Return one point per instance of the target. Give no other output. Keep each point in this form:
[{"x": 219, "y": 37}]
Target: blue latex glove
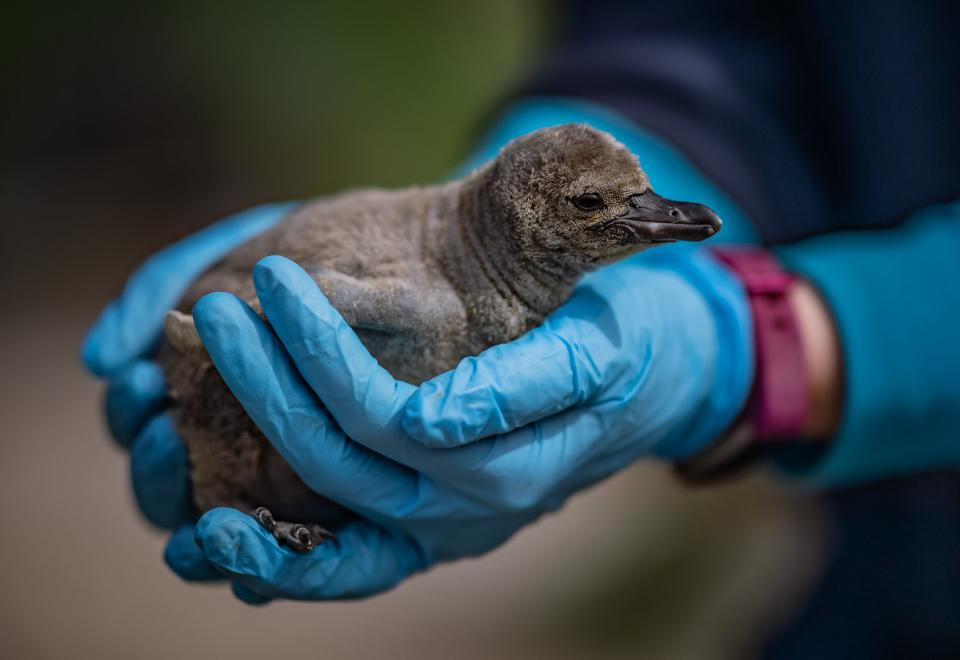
[
  {"x": 130, "y": 326},
  {"x": 118, "y": 348},
  {"x": 136, "y": 396},
  {"x": 651, "y": 356}
]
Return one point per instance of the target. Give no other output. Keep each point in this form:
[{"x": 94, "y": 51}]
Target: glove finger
[
  {"x": 159, "y": 469},
  {"x": 130, "y": 325},
  {"x": 360, "y": 394},
  {"x": 549, "y": 369},
  {"x": 363, "y": 560},
  {"x": 186, "y": 559},
  {"x": 362, "y": 397},
  {"x": 260, "y": 374},
  {"x": 137, "y": 394}
]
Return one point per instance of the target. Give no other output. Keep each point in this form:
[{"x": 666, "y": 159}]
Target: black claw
[
  {"x": 263, "y": 516},
  {"x": 304, "y": 536},
  {"x": 298, "y": 537}
]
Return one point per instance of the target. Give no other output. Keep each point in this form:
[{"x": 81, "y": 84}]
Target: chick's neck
[{"x": 483, "y": 256}]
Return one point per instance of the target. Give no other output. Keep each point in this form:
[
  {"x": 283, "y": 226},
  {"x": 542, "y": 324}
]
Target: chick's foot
[{"x": 296, "y": 536}]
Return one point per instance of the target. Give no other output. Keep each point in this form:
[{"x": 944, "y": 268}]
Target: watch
[{"x": 777, "y": 407}]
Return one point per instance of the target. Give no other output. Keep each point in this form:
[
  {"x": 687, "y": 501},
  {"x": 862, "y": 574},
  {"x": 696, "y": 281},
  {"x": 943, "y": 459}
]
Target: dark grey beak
[{"x": 651, "y": 218}]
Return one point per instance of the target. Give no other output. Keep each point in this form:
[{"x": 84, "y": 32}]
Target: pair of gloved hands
[{"x": 651, "y": 356}]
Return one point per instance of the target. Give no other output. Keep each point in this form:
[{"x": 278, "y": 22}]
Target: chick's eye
[{"x": 588, "y": 202}]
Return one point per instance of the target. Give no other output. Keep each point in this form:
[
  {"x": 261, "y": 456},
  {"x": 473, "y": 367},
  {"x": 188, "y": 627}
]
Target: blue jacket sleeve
[{"x": 895, "y": 298}]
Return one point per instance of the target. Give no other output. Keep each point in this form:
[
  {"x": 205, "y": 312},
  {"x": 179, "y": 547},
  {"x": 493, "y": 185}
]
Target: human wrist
[
  {"x": 794, "y": 394},
  {"x": 822, "y": 360},
  {"x": 895, "y": 319}
]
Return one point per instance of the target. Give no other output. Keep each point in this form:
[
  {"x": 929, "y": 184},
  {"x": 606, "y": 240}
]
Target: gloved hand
[
  {"x": 650, "y": 356},
  {"x": 118, "y": 348}
]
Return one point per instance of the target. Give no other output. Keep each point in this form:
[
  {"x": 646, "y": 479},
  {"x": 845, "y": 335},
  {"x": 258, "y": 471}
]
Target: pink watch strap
[{"x": 779, "y": 401}]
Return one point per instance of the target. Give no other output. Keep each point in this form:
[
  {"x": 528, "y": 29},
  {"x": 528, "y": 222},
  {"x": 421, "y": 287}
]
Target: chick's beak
[{"x": 650, "y": 218}]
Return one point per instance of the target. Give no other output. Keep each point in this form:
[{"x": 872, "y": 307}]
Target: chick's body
[
  {"x": 357, "y": 246},
  {"x": 375, "y": 240},
  {"x": 426, "y": 277}
]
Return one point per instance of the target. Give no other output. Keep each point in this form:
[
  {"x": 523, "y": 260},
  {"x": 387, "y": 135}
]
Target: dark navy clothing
[
  {"x": 815, "y": 116},
  {"x": 818, "y": 117},
  {"x": 891, "y": 590}
]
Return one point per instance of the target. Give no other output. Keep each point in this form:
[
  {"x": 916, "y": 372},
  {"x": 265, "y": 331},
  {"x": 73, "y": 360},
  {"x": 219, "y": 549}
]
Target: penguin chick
[{"x": 426, "y": 276}]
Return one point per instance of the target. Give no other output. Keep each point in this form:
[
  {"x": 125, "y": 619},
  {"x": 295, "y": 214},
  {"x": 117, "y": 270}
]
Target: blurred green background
[
  {"x": 125, "y": 126},
  {"x": 298, "y": 97}
]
